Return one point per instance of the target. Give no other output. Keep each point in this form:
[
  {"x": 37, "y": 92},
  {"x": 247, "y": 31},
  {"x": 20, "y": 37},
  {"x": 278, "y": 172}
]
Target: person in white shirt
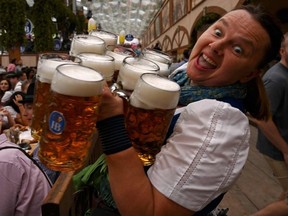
[{"x": 209, "y": 143}]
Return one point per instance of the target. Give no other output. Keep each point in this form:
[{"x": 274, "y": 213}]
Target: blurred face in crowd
[
  {"x": 284, "y": 51},
  {"x": 228, "y": 51},
  {"x": 4, "y": 85},
  {"x": 14, "y": 80},
  {"x": 28, "y": 112}
]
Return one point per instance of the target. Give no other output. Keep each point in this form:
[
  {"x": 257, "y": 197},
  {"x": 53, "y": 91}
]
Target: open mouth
[{"x": 206, "y": 63}]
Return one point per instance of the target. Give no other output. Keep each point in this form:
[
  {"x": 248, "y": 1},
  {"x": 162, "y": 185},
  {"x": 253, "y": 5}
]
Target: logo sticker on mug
[{"x": 56, "y": 122}]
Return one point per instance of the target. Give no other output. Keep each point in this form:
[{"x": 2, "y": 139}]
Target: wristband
[{"x": 113, "y": 134}]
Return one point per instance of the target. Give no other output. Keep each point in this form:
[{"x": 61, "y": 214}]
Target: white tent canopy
[{"x": 132, "y": 16}]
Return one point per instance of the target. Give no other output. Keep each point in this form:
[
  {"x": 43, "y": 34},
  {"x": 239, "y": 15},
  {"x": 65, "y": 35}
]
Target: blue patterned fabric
[{"x": 191, "y": 93}]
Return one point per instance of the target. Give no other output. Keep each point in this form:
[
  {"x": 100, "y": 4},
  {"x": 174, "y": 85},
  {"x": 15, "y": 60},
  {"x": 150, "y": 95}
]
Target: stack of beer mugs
[
  {"x": 92, "y": 51},
  {"x": 131, "y": 69},
  {"x": 162, "y": 59},
  {"x": 70, "y": 119},
  {"x": 151, "y": 108},
  {"x": 46, "y": 69},
  {"x": 101, "y": 63},
  {"x": 109, "y": 38},
  {"x": 69, "y": 92},
  {"x": 119, "y": 53}
]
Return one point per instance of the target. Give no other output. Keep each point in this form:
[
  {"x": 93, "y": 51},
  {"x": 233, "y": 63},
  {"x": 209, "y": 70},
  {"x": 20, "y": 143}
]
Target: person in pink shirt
[{"x": 23, "y": 184}]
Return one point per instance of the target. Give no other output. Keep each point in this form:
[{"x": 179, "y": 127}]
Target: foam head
[
  {"x": 155, "y": 92},
  {"x": 131, "y": 70},
  {"x": 48, "y": 63},
  {"x": 109, "y": 38},
  {"x": 77, "y": 80},
  {"x": 158, "y": 55},
  {"x": 118, "y": 57},
  {"x": 102, "y": 63},
  {"x": 87, "y": 43}
]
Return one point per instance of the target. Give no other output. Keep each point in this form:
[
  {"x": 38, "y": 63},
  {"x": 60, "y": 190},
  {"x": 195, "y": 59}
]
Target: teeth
[{"x": 209, "y": 60}]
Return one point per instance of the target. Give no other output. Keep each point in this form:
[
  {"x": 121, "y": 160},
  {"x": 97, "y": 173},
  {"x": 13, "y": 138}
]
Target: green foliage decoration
[
  {"x": 41, "y": 14},
  {"x": 12, "y": 22}
]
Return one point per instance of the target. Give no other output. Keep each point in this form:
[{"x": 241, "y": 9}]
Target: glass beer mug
[
  {"x": 150, "y": 111},
  {"x": 131, "y": 69},
  {"x": 104, "y": 64},
  {"x": 119, "y": 54},
  {"x": 160, "y": 58},
  {"x": 71, "y": 116},
  {"x": 109, "y": 37},
  {"x": 87, "y": 43},
  {"x": 46, "y": 68}
]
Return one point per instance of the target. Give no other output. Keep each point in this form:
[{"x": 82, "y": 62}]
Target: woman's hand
[
  {"x": 4, "y": 112},
  {"x": 111, "y": 105},
  {"x": 18, "y": 98}
]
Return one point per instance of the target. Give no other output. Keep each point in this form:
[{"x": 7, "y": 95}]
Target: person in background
[
  {"x": 5, "y": 85},
  {"x": 209, "y": 144},
  {"x": 186, "y": 54},
  {"x": 16, "y": 86},
  {"x": 19, "y": 65},
  {"x": 273, "y": 134},
  {"x": 27, "y": 102},
  {"x": 11, "y": 67},
  {"x": 30, "y": 73},
  {"x": 25, "y": 85},
  {"x": 23, "y": 184},
  {"x": 157, "y": 46},
  {"x": 16, "y": 110}
]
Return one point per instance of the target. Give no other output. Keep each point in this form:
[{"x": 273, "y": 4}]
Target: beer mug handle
[
  {"x": 121, "y": 94},
  {"x": 117, "y": 89}
]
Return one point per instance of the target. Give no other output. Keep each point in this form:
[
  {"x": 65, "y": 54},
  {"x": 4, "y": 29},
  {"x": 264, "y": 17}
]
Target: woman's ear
[{"x": 250, "y": 76}]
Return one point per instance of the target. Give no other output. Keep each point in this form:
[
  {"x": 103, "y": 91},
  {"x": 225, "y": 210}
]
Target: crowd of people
[
  {"x": 209, "y": 141},
  {"x": 23, "y": 183},
  {"x": 13, "y": 87}
]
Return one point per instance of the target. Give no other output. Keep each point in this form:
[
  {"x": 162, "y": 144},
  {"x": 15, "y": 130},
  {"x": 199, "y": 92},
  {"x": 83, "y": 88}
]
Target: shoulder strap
[{"x": 27, "y": 155}]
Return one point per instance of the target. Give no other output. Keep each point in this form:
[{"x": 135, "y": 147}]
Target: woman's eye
[
  {"x": 238, "y": 50},
  {"x": 217, "y": 32}
]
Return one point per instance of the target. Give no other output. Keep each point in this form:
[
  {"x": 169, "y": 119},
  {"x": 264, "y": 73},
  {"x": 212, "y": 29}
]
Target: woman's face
[
  {"x": 229, "y": 51},
  {"x": 4, "y": 85},
  {"x": 29, "y": 112}
]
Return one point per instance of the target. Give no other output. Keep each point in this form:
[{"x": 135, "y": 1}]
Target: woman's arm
[
  {"x": 22, "y": 117},
  {"x": 271, "y": 132},
  {"x": 132, "y": 191}
]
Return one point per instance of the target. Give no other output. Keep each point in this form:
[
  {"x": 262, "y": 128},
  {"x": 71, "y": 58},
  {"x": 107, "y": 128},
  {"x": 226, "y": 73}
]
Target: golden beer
[
  {"x": 71, "y": 116},
  {"x": 46, "y": 68},
  {"x": 150, "y": 111},
  {"x": 147, "y": 130}
]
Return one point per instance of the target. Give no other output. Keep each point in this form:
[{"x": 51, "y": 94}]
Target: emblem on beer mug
[{"x": 56, "y": 122}]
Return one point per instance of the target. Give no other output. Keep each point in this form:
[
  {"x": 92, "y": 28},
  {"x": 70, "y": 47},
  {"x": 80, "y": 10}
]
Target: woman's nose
[{"x": 217, "y": 47}]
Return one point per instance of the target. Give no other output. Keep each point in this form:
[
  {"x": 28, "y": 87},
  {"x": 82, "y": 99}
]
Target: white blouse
[{"x": 204, "y": 155}]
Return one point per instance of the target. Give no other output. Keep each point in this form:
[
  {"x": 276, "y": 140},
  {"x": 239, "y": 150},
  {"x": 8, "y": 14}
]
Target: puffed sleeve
[{"x": 204, "y": 155}]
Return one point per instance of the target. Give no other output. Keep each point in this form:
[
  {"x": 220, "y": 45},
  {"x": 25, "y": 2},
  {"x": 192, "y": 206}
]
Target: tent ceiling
[{"x": 132, "y": 16}]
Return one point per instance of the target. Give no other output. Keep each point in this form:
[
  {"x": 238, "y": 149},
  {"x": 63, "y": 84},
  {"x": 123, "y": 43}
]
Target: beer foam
[
  {"x": 77, "y": 80},
  {"x": 118, "y": 58},
  {"x": 131, "y": 70},
  {"x": 87, "y": 43},
  {"x": 108, "y": 37},
  {"x": 155, "y": 92},
  {"x": 103, "y": 64},
  {"x": 157, "y": 57},
  {"x": 46, "y": 68}
]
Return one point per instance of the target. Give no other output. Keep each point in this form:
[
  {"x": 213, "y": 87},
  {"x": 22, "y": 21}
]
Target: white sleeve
[
  {"x": 204, "y": 155},
  {"x": 6, "y": 96}
]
